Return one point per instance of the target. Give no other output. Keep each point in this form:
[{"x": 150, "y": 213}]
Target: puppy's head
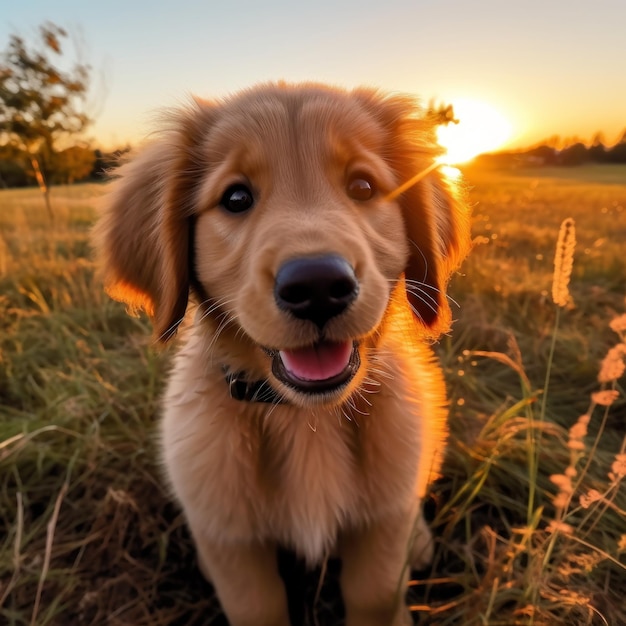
[{"x": 279, "y": 211}]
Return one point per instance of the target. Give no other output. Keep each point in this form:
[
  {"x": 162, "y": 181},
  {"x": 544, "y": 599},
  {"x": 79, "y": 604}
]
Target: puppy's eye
[
  {"x": 237, "y": 199},
  {"x": 360, "y": 188}
]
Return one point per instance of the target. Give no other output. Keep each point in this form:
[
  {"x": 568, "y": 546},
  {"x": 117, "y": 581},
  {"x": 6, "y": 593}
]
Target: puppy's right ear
[{"x": 142, "y": 236}]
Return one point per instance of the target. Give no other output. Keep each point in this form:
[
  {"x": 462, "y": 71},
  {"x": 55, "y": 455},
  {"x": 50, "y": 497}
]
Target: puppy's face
[
  {"x": 280, "y": 209},
  {"x": 296, "y": 243}
]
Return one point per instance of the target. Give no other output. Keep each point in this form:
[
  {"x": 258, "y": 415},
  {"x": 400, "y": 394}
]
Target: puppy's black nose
[{"x": 316, "y": 288}]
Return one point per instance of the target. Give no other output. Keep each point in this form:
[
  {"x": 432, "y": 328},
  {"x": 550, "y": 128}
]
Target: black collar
[{"x": 240, "y": 388}]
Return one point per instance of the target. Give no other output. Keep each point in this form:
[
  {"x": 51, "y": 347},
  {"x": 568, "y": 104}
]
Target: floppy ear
[
  {"x": 143, "y": 235},
  {"x": 436, "y": 216}
]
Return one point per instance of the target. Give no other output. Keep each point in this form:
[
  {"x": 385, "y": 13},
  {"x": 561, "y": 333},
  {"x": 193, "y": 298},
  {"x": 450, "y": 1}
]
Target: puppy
[{"x": 313, "y": 235}]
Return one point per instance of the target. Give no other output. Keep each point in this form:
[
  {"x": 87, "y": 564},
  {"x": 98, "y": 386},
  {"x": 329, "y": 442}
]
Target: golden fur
[{"x": 343, "y": 470}]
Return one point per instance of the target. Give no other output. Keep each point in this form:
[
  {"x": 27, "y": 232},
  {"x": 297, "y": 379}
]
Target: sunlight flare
[{"x": 481, "y": 128}]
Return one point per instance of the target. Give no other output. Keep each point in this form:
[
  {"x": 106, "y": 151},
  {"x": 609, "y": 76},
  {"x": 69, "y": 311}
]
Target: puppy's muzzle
[{"x": 316, "y": 288}]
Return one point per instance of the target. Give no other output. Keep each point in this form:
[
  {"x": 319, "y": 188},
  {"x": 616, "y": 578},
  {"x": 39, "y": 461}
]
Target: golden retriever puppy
[{"x": 314, "y": 236}]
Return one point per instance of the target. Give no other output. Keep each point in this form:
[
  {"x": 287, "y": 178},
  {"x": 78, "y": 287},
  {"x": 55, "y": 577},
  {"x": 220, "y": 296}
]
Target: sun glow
[{"x": 480, "y": 129}]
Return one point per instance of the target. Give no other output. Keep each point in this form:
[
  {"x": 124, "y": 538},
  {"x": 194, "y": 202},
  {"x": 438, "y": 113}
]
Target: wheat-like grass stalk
[{"x": 564, "y": 262}]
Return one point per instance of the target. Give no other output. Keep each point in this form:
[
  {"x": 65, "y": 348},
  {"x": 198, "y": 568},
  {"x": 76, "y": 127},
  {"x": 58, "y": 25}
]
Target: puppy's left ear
[
  {"x": 437, "y": 222},
  {"x": 435, "y": 210}
]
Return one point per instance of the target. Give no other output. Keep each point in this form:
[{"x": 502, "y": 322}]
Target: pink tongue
[{"x": 319, "y": 362}]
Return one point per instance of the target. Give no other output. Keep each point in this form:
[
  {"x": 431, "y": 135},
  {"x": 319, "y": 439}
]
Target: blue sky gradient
[{"x": 551, "y": 66}]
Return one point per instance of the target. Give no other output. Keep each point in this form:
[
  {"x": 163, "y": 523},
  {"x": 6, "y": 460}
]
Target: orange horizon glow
[{"x": 481, "y": 128}]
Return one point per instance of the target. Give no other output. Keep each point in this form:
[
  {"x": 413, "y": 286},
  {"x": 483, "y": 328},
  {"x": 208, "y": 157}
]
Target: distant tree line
[
  {"x": 78, "y": 163},
  {"x": 571, "y": 152}
]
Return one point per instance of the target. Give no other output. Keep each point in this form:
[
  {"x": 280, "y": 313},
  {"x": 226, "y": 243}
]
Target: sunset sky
[{"x": 546, "y": 66}]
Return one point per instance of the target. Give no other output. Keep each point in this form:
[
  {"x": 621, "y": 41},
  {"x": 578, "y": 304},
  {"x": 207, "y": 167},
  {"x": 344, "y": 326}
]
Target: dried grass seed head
[{"x": 564, "y": 262}]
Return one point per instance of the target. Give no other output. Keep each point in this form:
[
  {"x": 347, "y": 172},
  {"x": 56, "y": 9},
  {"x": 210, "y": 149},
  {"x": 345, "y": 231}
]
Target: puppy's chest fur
[{"x": 281, "y": 473}]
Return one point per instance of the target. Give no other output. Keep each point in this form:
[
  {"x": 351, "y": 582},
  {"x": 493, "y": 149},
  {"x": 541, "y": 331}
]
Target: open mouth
[{"x": 325, "y": 366}]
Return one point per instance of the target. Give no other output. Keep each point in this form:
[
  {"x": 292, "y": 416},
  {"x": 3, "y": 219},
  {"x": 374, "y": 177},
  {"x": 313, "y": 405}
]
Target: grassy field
[{"x": 530, "y": 516}]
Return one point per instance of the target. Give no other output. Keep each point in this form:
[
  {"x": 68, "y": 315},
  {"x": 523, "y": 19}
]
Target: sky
[{"x": 548, "y": 67}]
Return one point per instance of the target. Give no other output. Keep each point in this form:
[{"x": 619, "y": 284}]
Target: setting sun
[{"x": 481, "y": 128}]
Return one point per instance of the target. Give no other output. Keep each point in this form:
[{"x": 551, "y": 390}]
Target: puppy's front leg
[
  {"x": 374, "y": 576},
  {"x": 247, "y": 582}
]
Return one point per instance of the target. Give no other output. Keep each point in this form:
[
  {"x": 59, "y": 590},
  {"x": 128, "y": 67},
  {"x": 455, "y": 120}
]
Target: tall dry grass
[{"x": 530, "y": 516}]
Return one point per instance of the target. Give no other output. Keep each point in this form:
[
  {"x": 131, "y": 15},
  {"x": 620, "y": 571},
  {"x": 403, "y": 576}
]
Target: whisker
[
  {"x": 417, "y": 314},
  {"x": 352, "y": 404},
  {"x": 269, "y": 413},
  {"x": 423, "y": 257},
  {"x": 350, "y": 418},
  {"x": 382, "y": 373},
  {"x": 215, "y": 304},
  {"x": 224, "y": 323},
  {"x": 275, "y": 405},
  {"x": 240, "y": 331},
  {"x": 337, "y": 412},
  {"x": 424, "y": 288},
  {"x": 412, "y": 283},
  {"x": 359, "y": 392},
  {"x": 260, "y": 390},
  {"x": 371, "y": 381},
  {"x": 169, "y": 332},
  {"x": 422, "y": 297}
]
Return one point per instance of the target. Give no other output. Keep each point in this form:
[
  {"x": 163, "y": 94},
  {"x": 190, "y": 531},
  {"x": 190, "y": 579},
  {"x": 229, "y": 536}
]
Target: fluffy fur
[{"x": 343, "y": 469}]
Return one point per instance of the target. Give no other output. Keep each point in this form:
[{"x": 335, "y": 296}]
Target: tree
[
  {"x": 597, "y": 151},
  {"x": 41, "y": 106},
  {"x": 73, "y": 163},
  {"x": 576, "y": 154},
  {"x": 598, "y": 139},
  {"x": 617, "y": 154}
]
